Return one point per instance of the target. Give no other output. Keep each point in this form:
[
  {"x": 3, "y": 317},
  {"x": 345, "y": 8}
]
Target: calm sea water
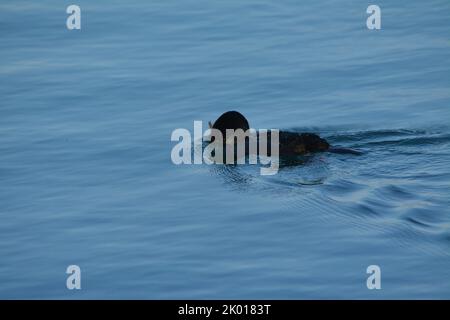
[{"x": 86, "y": 176}]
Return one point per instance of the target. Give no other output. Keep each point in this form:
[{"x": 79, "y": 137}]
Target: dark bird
[{"x": 290, "y": 143}]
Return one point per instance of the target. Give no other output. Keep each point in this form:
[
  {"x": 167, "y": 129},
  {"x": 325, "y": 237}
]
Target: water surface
[{"x": 86, "y": 176}]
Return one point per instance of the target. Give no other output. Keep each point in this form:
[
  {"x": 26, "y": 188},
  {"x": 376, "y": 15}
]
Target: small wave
[
  {"x": 371, "y": 135},
  {"x": 390, "y": 190},
  {"x": 413, "y": 141},
  {"x": 401, "y": 137}
]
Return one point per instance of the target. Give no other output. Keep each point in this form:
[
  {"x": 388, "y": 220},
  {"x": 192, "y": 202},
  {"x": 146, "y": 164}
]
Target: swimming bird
[{"x": 290, "y": 143}]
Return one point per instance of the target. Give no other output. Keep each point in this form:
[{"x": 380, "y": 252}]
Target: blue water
[{"x": 86, "y": 176}]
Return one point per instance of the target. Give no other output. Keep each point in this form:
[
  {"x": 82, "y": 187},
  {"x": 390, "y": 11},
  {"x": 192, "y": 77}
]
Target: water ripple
[{"x": 372, "y": 193}]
